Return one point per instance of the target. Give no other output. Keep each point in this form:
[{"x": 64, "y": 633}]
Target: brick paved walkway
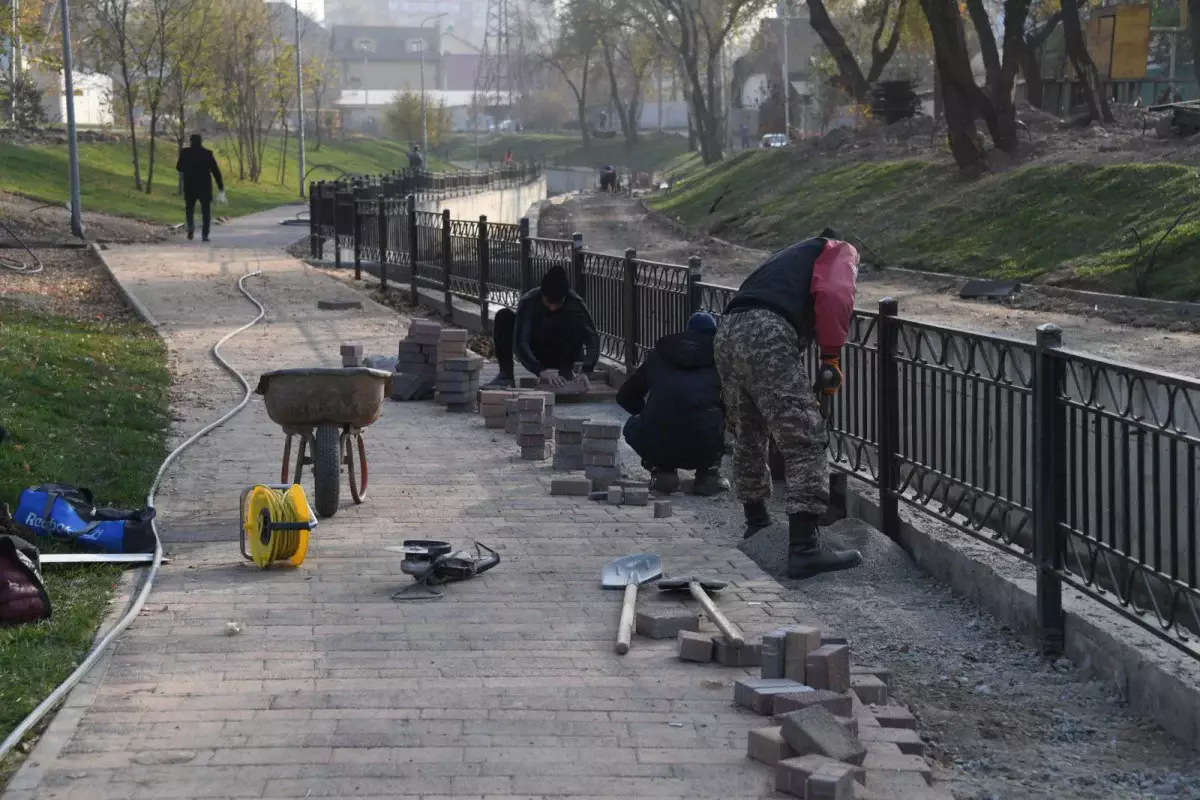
[{"x": 507, "y": 688}]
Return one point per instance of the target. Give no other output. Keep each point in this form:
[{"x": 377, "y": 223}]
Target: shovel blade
[{"x": 639, "y": 568}]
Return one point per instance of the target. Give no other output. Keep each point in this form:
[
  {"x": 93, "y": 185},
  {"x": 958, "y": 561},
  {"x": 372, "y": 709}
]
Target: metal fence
[{"x": 1082, "y": 468}]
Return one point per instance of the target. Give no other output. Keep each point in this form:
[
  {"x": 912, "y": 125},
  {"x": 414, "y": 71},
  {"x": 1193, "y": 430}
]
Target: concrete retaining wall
[
  {"x": 563, "y": 180},
  {"x": 506, "y": 205}
]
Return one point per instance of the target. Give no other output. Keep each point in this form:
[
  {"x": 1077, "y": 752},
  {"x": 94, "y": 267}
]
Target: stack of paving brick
[
  {"x": 416, "y": 364},
  {"x": 568, "y": 443},
  {"x": 600, "y": 441},
  {"x": 532, "y": 427},
  {"x": 833, "y": 735},
  {"x": 493, "y": 407},
  {"x": 457, "y": 371},
  {"x": 512, "y": 415}
]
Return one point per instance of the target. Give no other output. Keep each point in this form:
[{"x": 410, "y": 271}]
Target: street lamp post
[
  {"x": 424, "y": 123},
  {"x": 300, "y": 99},
  {"x": 72, "y": 141},
  {"x": 781, "y": 10}
]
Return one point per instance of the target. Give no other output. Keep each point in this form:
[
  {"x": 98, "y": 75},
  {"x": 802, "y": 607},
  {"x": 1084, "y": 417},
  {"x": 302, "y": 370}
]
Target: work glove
[
  {"x": 829, "y": 375},
  {"x": 221, "y": 201}
]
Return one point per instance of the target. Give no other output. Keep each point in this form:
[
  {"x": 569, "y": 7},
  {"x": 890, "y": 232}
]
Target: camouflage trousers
[{"x": 768, "y": 393}]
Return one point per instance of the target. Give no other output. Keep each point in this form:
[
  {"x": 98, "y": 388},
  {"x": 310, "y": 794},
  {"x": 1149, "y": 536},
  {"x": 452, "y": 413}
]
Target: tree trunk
[
  {"x": 959, "y": 92},
  {"x": 1085, "y": 68},
  {"x": 1193, "y": 7},
  {"x": 150, "y": 156},
  {"x": 1031, "y": 68},
  {"x": 130, "y": 97},
  {"x": 851, "y": 78}
]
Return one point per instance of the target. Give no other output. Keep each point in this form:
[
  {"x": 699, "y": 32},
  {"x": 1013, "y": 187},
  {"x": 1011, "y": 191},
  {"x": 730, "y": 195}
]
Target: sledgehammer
[{"x": 699, "y": 589}]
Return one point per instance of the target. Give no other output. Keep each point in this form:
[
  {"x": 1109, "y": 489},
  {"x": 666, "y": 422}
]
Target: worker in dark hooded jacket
[
  {"x": 551, "y": 331},
  {"x": 198, "y": 167},
  {"x": 675, "y": 399}
]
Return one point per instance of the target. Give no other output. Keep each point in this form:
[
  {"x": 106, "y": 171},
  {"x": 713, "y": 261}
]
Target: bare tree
[
  {"x": 695, "y": 32},
  {"x": 112, "y": 24},
  {"x": 1036, "y": 33},
  {"x": 1081, "y": 60},
  {"x": 568, "y": 48},
  {"x": 886, "y": 17}
]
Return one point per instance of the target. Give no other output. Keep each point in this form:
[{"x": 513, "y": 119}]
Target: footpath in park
[{"x": 322, "y": 686}]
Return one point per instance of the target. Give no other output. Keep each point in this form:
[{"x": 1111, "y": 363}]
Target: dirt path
[{"x": 611, "y": 224}]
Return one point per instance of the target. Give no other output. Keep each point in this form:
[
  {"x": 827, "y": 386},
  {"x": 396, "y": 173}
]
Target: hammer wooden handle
[
  {"x": 731, "y": 631},
  {"x": 625, "y": 629}
]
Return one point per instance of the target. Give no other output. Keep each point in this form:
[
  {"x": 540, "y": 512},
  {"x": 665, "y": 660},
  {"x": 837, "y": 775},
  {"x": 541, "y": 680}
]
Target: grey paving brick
[
  {"x": 828, "y": 667},
  {"x": 815, "y": 730},
  {"x": 695, "y": 646},
  {"x": 657, "y": 622},
  {"x": 757, "y": 694},
  {"x": 870, "y": 690}
]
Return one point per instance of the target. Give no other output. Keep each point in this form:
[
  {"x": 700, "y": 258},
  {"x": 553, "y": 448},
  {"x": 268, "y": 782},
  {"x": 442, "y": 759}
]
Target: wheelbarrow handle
[
  {"x": 625, "y": 628},
  {"x": 731, "y": 631}
]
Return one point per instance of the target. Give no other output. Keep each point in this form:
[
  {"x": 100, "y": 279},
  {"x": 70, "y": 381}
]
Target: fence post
[
  {"x": 695, "y": 274},
  {"x": 630, "y": 328},
  {"x": 337, "y": 245},
  {"x": 1049, "y": 481},
  {"x": 410, "y": 220},
  {"x": 485, "y": 270},
  {"x": 357, "y": 241},
  {"x": 381, "y": 206},
  {"x": 577, "y": 264},
  {"x": 447, "y": 262},
  {"x": 314, "y": 219},
  {"x": 320, "y": 221},
  {"x": 526, "y": 257},
  {"x": 887, "y": 410}
]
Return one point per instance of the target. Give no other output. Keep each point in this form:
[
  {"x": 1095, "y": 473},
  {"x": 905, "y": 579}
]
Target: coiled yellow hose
[{"x": 277, "y": 545}]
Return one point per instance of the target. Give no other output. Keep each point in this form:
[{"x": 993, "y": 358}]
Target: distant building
[
  {"x": 93, "y": 106},
  {"x": 468, "y": 18},
  {"x": 379, "y": 58}
]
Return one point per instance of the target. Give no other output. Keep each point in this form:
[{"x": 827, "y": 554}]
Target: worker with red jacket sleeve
[{"x": 801, "y": 295}]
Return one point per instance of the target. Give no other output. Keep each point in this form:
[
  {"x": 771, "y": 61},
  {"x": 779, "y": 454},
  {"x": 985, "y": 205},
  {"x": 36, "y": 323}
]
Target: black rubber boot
[
  {"x": 501, "y": 381},
  {"x": 708, "y": 483},
  {"x": 757, "y": 517},
  {"x": 808, "y": 556},
  {"x": 664, "y": 481}
]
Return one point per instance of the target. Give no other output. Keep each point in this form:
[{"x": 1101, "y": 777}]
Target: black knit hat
[{"x": 555, "y": 285}]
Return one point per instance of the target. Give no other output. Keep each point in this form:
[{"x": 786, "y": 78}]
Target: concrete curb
[
  {"x": 1156, "y": 680},
  {"x": 129, "y": 296}
]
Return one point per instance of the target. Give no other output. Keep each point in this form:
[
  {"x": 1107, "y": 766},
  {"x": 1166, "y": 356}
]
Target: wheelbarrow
[{"x": 326, "y": 409}]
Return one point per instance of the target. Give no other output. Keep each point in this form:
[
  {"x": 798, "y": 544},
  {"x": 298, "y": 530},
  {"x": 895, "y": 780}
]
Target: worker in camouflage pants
[{"x": 799, "y": 295}]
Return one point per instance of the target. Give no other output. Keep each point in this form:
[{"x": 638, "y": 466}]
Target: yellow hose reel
[{"x": 276, "y": 521}]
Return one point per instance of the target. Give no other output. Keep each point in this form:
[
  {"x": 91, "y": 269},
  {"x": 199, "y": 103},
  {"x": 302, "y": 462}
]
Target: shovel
[
  {"x": 629, "y": 572},
  {"x": 699, "y": 589}
]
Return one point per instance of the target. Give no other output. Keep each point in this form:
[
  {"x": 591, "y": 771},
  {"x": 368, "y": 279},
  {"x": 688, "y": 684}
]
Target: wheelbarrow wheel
[{"x": 327, "y": 469}]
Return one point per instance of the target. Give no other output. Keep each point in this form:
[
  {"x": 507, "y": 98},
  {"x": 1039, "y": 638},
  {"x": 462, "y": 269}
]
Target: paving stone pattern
[{"x": 507, "y": 688}]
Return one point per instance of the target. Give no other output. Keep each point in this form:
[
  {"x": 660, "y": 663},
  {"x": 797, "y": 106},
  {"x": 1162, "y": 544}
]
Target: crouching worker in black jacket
[
  {"x": 551, "y": 331},
  {"x": 675, "y": 399}
]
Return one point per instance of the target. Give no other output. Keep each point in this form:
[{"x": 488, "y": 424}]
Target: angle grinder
[{"x": 432, "y": 562}]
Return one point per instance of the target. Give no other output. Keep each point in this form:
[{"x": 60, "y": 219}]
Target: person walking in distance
[
  {"x": 198, "y": 167},
  {"x": 799, "y": 295},
  {"x": 550, "y": 332}
]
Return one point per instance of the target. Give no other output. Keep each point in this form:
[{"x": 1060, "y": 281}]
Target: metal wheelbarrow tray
[{"x": 327, "y": 408}]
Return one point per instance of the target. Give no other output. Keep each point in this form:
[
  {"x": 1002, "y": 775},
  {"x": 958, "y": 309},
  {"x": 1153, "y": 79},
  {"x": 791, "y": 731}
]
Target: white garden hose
[{"x": 139, "y": 602}]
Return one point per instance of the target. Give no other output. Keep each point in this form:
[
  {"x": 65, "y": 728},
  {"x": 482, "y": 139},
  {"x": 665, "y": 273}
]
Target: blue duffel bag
[{"x": 69, "y": 514}]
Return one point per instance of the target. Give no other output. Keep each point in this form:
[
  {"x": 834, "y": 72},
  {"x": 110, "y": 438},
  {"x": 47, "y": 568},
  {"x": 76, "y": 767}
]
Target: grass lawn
[
  {"x": 84, "y": 403},
  {"x": 652, "y": 152},
  {"x": 1070, "y": 221},
  {"x": 106, "y": 174}
]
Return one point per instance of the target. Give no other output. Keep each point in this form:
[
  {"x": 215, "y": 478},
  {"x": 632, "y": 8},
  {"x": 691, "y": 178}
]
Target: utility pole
[
  {"x": 300, "y": 99},
  {"x": 424, "y": 123},
  {"x": 13, "y": 57},
  {"x": 781, "y": 11},
  {"x": 72, "y": 141}
]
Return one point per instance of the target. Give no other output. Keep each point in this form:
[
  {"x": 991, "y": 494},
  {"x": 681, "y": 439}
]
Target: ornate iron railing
[{"x": 1085, "y": 469}]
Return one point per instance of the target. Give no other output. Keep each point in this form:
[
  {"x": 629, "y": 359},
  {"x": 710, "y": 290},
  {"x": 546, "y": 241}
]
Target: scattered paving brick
[
  {"x": 772, "y": 654},
  {"x": 637, "y": 496},
  {"x": 768, "y": 746},
  {"x": 570, "y": 487},
  {"x": 665, "y": 623},
  {"x": 616, "y": 495},
  {"x": 662, "y": 509},
  {"x": 725, "y": 654},
  {"x": 908, "y": 741},
  {"x": 698, "y": 647},
  {"x": 352, "y": 355},
  {"x": 893, "y": 717},
  {"x": 815, "y": 730},
  {"x": 757, "y": 694},
  {"x": 838, "y": 704},
  {"x": 799, "y": 641},
  {"x": 870, "y": 690},
  {"x": 828, "y": 667}
]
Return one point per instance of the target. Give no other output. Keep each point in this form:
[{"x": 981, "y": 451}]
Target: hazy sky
[{"x": 314, "y": 8}]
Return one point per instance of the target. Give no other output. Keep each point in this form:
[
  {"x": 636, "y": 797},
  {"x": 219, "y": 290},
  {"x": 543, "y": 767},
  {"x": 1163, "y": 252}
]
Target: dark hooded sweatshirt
[
  {"x": 676, "y": 397},
  {"x": 546, "y": 339}
]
